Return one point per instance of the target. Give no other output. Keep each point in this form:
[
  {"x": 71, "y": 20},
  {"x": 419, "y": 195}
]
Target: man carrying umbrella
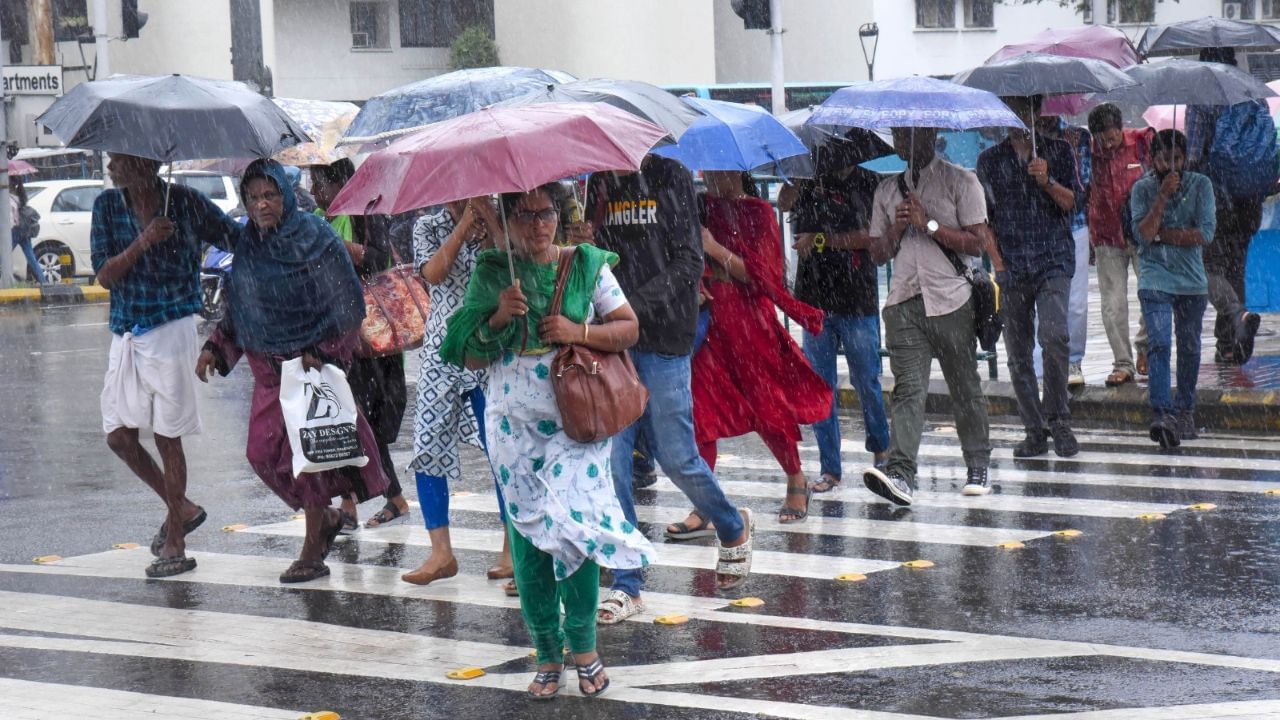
[
  {"x": 149, "y": 258},
  {"x": 1031, "y": 195},
  {"x": 916, "y": 222}
]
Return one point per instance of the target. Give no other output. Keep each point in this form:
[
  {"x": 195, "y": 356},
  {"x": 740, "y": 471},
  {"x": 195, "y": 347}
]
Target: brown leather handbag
[
  {"x": 599, "y": 393},
  {"x": 396, "y": 304}
]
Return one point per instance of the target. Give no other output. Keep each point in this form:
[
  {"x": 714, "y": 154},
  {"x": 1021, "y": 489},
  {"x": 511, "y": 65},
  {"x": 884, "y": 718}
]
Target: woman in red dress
[{"x": 750, "y": 375}]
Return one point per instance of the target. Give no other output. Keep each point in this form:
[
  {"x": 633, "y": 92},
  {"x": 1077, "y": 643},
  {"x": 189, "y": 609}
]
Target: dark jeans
[
  {"x": 1166, "y": 315},
  {"x": 1022, "y": 302},
  {"x": 1224, "y": 263}
]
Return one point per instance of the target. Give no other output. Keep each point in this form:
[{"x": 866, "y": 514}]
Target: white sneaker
[{"x": 1075, "y": 377}]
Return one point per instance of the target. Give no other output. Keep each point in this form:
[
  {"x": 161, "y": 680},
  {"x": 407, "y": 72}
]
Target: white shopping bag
[{"x": 320, "y": 417}]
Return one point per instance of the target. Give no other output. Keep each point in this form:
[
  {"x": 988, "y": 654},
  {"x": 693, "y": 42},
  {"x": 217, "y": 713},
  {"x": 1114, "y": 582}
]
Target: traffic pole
[
  {"x": 775, "y": 35},
  {"x": 6, "y": 217}
]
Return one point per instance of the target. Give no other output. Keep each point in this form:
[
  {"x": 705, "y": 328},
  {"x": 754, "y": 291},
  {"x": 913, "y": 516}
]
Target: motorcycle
[{"x": 215, "y": 271}]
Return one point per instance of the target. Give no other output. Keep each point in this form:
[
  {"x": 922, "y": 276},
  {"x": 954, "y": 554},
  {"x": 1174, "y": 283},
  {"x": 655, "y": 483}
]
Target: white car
[{"x": 66, "y": 217}]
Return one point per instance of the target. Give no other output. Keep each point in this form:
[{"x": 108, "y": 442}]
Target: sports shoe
[
  {"x": 1035, "y": 444},
  {"x": 1164, "y": 430},
  {"x": 1064, "y": 441},
  {"x": 1186, "y": 424},
  {"x": 1245, "y": 336},
  {"x": 890, "y": 485},
  {"x": 976, "y": 484},
  {"x": 1075, "y": 376},
  {"x": 640, "y": 481}
]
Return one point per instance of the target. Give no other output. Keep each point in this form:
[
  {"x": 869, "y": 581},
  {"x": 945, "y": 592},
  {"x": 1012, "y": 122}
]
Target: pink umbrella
[
  {"x": 1089, "y": 41},
  {"x": 496, "y": 150},
  {"x": 22, "y": 167}
]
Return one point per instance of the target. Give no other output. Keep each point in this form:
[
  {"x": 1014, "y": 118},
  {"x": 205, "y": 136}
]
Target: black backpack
[{"x": 29, "y": 221}]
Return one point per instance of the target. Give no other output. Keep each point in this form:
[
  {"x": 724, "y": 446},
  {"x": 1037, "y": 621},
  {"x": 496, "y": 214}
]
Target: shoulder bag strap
[
  {"x": 961, "y": 269},
  {"x": 562, "y": 279}
]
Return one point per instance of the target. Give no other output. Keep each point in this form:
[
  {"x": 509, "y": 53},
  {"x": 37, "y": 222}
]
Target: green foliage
[{"x": 473, "y": 48}]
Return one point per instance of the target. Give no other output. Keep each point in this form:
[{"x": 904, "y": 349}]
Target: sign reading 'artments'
[{"x": 33, "y": 80}]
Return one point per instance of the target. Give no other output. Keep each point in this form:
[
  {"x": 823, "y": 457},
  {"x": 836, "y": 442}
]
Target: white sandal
[
  {"x": 736, "y": 561},
  {"x": 619, "y": 607}
]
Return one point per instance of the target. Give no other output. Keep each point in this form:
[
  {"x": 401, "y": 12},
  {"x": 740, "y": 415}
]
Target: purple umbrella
[{"x": 1097, "y": 42}]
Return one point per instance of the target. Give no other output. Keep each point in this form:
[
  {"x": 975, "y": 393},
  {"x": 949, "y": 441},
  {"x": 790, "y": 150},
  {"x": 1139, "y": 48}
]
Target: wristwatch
[{"x": 931, "y": 227}]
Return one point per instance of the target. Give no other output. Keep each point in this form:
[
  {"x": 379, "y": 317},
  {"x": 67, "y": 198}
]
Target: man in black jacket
[{"x": 650, "y": 219}]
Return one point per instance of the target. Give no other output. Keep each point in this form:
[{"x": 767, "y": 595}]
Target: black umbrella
[
  {"x": 1042, "y": 74},
  {"x": 1208, "y": 32},
  {"x": 1187, "y": 82},
  {"x": 829, "y": 143},
  {"x": 171, "y": 117},
  {"x": 649, "y": 102}
]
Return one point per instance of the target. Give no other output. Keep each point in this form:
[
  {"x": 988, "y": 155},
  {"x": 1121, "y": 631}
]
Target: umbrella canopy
[
  {"x": 496, "y": 150},
  {"x": 913, "y": 102},
  {"x": 410, "y": 107},
  {"x": 1040, "y": 74},
  {"x": 1163, "y": 117},
  {"x": 325, "y": 122},
  {"x": 171, "y": 117},
  {"x": 1187, "y": 82},
  {"x": 1098, "y": 42},
  {"x": 638, "y": 98},
  {"x": 733, "y": 136},
  {"x": 873, "y": 144},
  {"x": 1194, "y": 35},
  {"x": 22, "y": 167}
]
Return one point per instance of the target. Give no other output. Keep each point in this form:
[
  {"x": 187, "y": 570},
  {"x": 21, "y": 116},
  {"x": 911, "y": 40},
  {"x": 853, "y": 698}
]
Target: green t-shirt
[{"x": 341, "y": 224}]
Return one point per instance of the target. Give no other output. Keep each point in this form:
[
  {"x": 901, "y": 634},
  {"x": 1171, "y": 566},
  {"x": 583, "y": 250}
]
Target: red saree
[{"x": 751, "y": 375}]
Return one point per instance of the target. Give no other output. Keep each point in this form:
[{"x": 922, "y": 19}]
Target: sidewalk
[
  {"x": 1229, "y": 397},
  {"x": 60, "y": 293}
]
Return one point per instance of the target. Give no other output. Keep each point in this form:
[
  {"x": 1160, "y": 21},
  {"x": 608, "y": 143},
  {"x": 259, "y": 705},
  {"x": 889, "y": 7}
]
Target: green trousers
[{"x": 541, "y": 597}]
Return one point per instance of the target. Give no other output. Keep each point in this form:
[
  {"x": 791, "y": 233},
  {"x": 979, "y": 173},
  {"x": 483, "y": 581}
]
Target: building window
[
  {"x": 70, "y": 20},
  {"x": 370, "y": 25},
  {"x": 979, "y": 13},
  {"x": 1131, "y": 12},
  {"x": 935, "y": 13},
  {"x": 1269, "y": 9},
  {"x": 433, "y": 23}
]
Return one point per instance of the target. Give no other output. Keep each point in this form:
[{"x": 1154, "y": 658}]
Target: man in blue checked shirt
[
  {"x": 147, "y": 254},
  {"x": 1032, "y": 191}
]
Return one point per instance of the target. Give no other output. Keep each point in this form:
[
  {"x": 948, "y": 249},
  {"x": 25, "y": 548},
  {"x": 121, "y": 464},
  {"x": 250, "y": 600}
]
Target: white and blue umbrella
[
  {"x": 733, "y": 136},
  {"x": 913, "y": 102}
]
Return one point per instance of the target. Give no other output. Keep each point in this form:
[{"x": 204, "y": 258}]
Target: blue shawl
[{"x": 292, "y": 286}]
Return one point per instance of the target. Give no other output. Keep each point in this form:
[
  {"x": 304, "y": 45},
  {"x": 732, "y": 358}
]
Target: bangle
[{"x": 586, "y": 332}]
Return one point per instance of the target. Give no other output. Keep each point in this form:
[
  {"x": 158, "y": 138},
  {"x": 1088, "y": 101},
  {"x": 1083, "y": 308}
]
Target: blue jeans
[
  {"x": 21, "y": 240},
  {"x": 433, "y": 490},
  {"x": 668, "y": 423},
  {"x": 860, "y": 337},
  {"x": 1166, "y": 315}
]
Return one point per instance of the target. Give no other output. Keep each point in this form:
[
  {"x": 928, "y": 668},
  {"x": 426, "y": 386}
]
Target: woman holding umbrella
[
  {"x": 564, "y": 519},
  {"x": 283, "y": 254}
]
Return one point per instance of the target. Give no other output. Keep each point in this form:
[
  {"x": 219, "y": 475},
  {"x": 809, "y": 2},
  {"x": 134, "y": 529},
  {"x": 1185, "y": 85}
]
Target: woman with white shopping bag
[{"x": 295, "y": 307}]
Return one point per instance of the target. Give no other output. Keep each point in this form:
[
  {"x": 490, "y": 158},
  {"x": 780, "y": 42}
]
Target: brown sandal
[{"x": 1119, "y": 377}]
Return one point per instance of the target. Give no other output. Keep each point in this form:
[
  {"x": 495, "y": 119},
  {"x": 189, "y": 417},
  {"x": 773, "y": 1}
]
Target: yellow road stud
[
  {"x": 299, "y": 516},
  {"x": 673, "y": 619},
  {"x": 918, "y": 564},
  {"x": 1272, "y": 491},
  {"x": 125, "y": 546},
  {"x": 1011, "y": 545},
  {"x": 322, "y": 715},
  {"x": 46, "y": 559},
  {"x": 1202, "y": 506},
  {"x": 747, "y": 602},
  {"x": 234, "y": 528},
  {"x": 461, "y": 493},
  {"x": 1067, "y": 533},
  {"x": 851, "y": 577},
  {"x": 469, "y": 673},
  {"x": 1151, "y": 516}
]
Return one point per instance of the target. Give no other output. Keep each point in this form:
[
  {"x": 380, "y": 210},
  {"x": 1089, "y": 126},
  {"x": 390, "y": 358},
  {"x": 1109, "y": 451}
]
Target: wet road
[{"x": 1173, "y": 616}]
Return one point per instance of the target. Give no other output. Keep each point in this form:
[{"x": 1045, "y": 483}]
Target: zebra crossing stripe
[
  {"x": 1086, "y": 507},
  {"x": 1240, "y": 710},
  {"x": 916, "y": 532},
  {"x": 27, "y": 700},
  {"x": 1091, "y": 457},
  {"x": 1130, "y": 438},
  {"x": 1017, "y": 476},
  {"x": 818, "y": 567}
]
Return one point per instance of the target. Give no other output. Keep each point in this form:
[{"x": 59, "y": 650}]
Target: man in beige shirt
[{"x": 929, "y": 312}]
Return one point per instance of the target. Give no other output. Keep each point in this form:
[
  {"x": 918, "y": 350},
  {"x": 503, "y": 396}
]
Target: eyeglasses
[
  {"x": 546, "y": 215},
  {"x": 271, "y": 196}
]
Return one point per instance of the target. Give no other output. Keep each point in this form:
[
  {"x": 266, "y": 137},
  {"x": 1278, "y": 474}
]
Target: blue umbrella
[
  {"x": 961, "y": 147},
  {"x": 410, "y": 107},
  {"x": 733, "y": 136},
  {"x": 913, "y": 102}
]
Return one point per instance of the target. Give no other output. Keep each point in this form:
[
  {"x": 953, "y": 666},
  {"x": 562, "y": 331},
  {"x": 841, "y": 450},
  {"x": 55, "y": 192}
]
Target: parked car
[{"x": 66, "y": 215}]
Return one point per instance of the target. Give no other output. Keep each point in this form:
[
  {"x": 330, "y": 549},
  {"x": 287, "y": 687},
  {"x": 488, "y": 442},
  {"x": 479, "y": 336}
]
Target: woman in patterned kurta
[
  {"x": 450, "y": 401},
  {"x": 563, "y": 517}
]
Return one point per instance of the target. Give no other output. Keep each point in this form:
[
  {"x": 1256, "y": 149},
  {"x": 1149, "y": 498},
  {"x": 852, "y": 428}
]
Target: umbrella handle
[
  {"x": 506, "y": 236},
  {"x": 167, "y": 186}
]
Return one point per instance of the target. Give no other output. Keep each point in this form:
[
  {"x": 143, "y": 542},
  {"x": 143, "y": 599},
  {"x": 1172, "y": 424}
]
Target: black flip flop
[
  {"x": 315, "y": 570},
  {"x": 589, "y": 674},
  {"x": 544, "y": 679},
  {"x": 188, "y": 527},
  {"x": 789, "y": 515},
  {"x": 170, "y": 566},
  {"x": 684, "y": 532},
  {"x": 388, "y": 515},
  {"x": 344, "y": 517}
]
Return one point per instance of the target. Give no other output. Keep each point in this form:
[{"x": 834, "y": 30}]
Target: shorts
[{"x": 151, "y": 381}]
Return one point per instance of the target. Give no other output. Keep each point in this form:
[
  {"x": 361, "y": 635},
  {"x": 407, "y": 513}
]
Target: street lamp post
[
  {"x": 6, "y": 218},
  {"x": 775, "y": 36},
  {"x": 869, "y": 31}
]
